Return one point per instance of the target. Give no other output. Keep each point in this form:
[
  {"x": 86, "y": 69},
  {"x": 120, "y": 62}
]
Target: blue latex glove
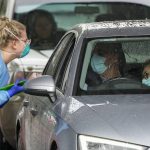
[{"x": 15, "y": 89}]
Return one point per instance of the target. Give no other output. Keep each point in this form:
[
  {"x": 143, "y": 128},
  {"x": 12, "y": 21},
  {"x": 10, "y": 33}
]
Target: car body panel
[
  {"x": 123, "y": 117},
  {"x": 51, "y": 125},
  {"x": 7, "y": 120},
  {"x": 111, "y": 29}
]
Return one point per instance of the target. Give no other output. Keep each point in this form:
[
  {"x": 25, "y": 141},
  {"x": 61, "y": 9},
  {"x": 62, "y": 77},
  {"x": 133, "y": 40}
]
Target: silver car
[{"x": 74, "y": 107}]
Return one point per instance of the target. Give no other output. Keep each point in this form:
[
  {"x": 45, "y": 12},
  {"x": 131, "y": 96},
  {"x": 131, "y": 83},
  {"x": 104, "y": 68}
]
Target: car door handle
[
  {"x": 25, "y": 103},
  {"x": 33, "y": 111}
]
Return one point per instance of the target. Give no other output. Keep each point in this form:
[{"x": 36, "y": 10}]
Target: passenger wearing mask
[
  {"x": 13, "y": 44},
  {"x": 146, "y": 73}
]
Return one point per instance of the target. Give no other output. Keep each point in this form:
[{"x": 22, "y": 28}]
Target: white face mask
[
  {"x": 98, "y": 64},
  {"x": 146, "y": 81}
]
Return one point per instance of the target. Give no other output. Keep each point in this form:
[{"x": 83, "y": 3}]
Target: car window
[
  {"x": 60, "y": 50},
  {"x": 3, "y": 4},
  {"x": 21, "y": 75},
  {"x": 63, "y": 70},
  {"x": 47, "y": 22},
  {"x": 121, "y": 66}
]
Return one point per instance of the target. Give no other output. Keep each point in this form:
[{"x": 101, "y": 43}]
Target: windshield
[
  {"x": 116, "y": 66},
  {"x": 47, "y": 23}
]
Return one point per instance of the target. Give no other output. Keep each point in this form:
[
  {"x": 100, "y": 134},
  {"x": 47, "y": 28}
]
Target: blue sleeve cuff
[
  {"x": 4, "y": 98},
  {"x": 7, "y": 94}
]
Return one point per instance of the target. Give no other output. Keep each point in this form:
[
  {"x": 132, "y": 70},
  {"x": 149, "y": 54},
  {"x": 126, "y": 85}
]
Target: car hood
[{"x": 119, "y": 117}]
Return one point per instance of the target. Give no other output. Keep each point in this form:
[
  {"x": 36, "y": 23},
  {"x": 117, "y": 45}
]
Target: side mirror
[{"x": 41, "y": 86}]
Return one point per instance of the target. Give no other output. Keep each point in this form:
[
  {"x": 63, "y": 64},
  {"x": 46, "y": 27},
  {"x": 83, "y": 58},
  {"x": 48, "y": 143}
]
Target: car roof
[
  {"x": 26, "y": 2},
  {"x": 114, "y": 28}
]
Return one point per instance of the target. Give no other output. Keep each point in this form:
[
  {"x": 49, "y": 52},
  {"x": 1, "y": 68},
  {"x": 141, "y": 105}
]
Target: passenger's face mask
[
  {"x": 98, "y": 64},
  {"x": 146, "y": 81}
]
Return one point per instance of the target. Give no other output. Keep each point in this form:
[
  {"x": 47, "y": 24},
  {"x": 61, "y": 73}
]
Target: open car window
[
  {"x": 116, "y": 66},
  {"x": 20, "y": 75},
  {"x": 47, "y": 22}
]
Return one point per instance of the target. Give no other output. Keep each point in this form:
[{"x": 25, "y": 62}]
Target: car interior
[{"x": 131, "y": 52}]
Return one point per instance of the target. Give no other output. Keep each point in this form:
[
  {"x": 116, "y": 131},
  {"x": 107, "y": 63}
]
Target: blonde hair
[{"x": 13, "y": 26}]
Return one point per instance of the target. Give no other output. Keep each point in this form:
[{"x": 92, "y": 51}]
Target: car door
[
  {"x": 43, "y": 124},
  {"x": 28, "y": 120}
]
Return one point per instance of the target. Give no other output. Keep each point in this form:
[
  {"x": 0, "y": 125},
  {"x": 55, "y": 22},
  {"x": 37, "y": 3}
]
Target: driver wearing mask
[{"x": 105, "y": 61}]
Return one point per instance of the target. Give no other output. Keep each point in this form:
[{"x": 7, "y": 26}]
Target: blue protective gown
[
  {"x": 4, "y": 98},
  {"x": 4, "y": 77}
]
